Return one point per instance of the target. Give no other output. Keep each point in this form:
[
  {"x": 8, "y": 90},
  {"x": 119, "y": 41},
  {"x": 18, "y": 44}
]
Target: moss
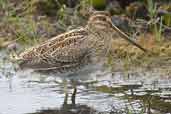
[{"x": 98, "y": 4}]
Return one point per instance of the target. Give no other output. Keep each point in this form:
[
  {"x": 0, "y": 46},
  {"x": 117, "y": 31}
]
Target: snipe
[{"x": 73, "y": 50}]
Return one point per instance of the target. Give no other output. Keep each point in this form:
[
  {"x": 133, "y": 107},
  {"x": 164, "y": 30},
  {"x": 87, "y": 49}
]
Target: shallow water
[{"x": 138, "y": 92}]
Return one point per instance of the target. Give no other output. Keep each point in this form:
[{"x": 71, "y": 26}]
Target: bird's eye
[{"x": 102, "y": 18}]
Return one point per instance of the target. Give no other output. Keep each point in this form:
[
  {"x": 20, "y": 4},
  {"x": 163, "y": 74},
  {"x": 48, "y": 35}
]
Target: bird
[
  {"x": 70, "y": 52},
  {"x": 74, "y": 48}
]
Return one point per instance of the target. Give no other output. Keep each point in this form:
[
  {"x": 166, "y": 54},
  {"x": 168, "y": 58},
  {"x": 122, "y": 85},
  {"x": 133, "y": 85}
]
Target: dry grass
[{"x": 129, "y": 56}]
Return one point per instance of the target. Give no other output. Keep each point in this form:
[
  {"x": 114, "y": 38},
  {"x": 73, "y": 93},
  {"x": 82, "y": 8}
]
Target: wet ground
[{"x": 101, "y": 92}]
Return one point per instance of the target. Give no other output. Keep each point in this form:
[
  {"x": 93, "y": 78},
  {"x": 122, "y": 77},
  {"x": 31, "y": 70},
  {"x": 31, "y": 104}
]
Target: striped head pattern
[
  {"x": 100, "y": 20},
  {"x": 100, "y": 27}
]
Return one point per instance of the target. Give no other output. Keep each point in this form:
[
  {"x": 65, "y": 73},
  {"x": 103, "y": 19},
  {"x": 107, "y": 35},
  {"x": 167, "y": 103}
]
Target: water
[{"x": 136, "y": 92}]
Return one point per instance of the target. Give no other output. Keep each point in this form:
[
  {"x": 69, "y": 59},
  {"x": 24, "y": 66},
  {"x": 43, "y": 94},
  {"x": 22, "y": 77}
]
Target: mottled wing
[
  {"x": 64, "y": 51},
  {"x": 67, "y": 50}
]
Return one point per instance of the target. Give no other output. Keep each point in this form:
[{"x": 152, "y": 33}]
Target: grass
[
  {"x": 156, "y": 22},
  {"x": 158, "y": 30},
  {"x": 24, "y": 30},
  {"x": 24, "y": 21},
  {"x": 131, "y": 57},
  {"x": 152, "y": 8}
]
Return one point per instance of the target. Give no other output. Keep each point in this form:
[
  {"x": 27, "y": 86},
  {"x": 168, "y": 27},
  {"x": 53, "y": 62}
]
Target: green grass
[
  {"x": 23, "y": 29},
  {"x": 155, "y": 25},
  {"x": 158, "y": 29},
  {"x": 152, "y": 8}
]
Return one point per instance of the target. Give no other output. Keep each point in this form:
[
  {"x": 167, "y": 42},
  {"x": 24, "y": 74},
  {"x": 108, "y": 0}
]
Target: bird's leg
[
  {"x": 65, "y": 92},
  {"x": 74, "y": 93}
]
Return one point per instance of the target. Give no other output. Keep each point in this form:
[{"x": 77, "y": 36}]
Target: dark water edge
[{"x": 103, "y": 92}]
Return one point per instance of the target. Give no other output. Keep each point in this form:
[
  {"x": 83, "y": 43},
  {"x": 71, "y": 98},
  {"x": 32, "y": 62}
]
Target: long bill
[{"x": 126, "y": 37}]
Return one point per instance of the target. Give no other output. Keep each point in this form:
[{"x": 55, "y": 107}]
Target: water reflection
[{"x": 135, "y": 92}]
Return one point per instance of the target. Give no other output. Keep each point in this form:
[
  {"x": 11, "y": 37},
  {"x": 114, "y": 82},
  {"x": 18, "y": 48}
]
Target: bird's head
[{"x": 100, "y": 20}]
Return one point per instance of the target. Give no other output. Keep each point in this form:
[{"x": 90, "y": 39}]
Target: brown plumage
[{"x": 72, "y": 50}]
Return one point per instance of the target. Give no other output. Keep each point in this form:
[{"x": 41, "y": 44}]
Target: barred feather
[{"x": 72, "y": 50}]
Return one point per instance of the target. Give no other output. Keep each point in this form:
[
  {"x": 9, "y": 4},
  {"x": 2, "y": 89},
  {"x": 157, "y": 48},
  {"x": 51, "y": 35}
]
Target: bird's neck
[
  {"x": 98, "y": 33},
  {"x": 100, "y": 40}
]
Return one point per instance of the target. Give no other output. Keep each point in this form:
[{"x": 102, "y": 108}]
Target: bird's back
[
  {"x": 66, "y": 52},
  {"x": 71, "y": 50}
]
